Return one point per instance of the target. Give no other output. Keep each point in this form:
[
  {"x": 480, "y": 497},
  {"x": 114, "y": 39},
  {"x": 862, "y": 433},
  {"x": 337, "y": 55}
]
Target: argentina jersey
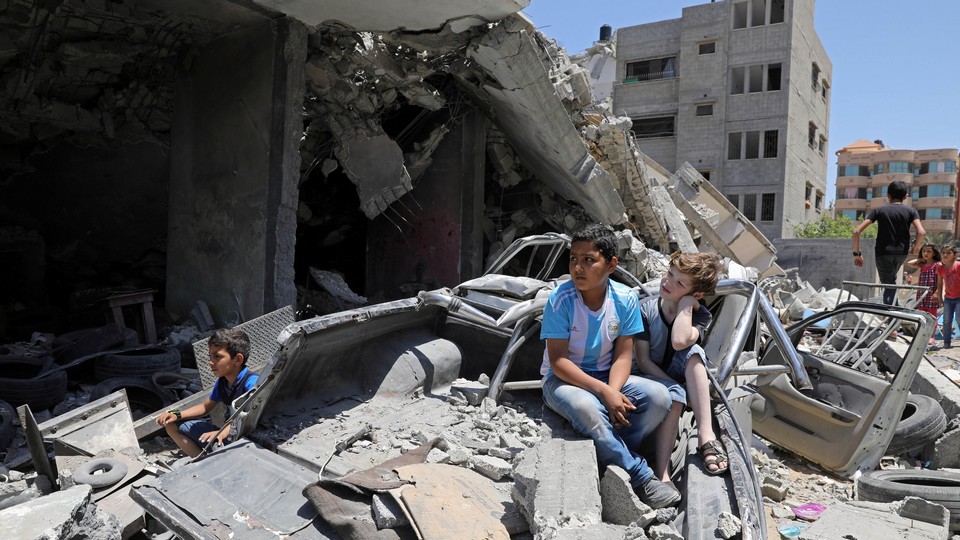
[{"x": 591, "y": 334}]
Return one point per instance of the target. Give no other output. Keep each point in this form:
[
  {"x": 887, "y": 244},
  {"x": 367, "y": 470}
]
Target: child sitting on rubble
[
  {"x": 589, "y": 324},
  {"x": 927, "y": 262},
  {"x": 229, "y": 350},
  {"x": 669, "y": 350}
]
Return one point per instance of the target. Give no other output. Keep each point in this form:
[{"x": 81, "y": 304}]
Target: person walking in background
[
  {"x": 893, "y": 237},
  {"x": 928, "y": 262}
]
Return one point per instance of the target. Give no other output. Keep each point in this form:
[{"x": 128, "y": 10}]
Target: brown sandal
[{"x": 712, "y": 453}]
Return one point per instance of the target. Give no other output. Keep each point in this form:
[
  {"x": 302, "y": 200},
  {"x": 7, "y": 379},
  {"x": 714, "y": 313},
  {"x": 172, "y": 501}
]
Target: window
[
  {"x": 753, "y": 145},
  {"x": 815, "y": 73},
  {"x": 822, "y": 145},
  {"x": 740, "y": 15},
  {"x": 949, "y": 166},
  {"x": 853, "y": 170},
  {"x": 879, "y": 192},
  {"x": 818, "y": 204},
  {"x": 659, "y": 126},
  {"x": 750, "y": 206},
  {"x": 733, "y": 145},
  {"x": 705, "y": 173},
  {"x": 777, "y": 9},
  {"x": 824, "y": 89},
  {"x": 708, "y": 48},
  {"x": 879, "y": 168},
  {"x": 851, "y": 215},
  {"x": 758, "y": 12},
  {"x": 767, "y": 202},
  {"x": 756, "y": 79},
  {"x": 649, "y": 70},
  {"x": 773, "y": 77},
  {"x": 705, "y": 109},
  {"x": 936, "y": 213},
  {"x": 900, "y": 167},
  {"x": 734, "y": 199},
  {"x": 934, "y": 190},
  {"x": 736, "y": 80},
  {"x": 850, "y": 193},
  {"x": 770, "y": 143},
  {"x": 812, "y": 135}
]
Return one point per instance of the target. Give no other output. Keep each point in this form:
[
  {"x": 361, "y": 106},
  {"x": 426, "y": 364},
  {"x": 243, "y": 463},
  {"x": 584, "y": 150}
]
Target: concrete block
[
  {"x": 491, "y": 467},
  {"x": 472, "y": 391},
  {"x": 923, "y": 510},
  {"x": 774, "y": 488},
  {"x": 65, "y": 514},
  {"x": 438, "y": 456},
  {"x": 946, "y": 451},
  {"x": 505, "y": 453},
  {"x": 387, "y": 514},
  {"x": 510, "y": 440},
  {"x": 728, "y": 525},
  {"x": 458, "y": 454},
  {"x": 662, "y": 531},
  {"x": 556, "y": 485},
  {"x": 600, "y": 531},
  {"x": 621, "y": 506}
]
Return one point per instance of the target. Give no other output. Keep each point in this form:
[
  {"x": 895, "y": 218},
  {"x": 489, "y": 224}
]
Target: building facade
[
  {"x": 740, "y": 90},
  {"x": 865, "y": 169}
]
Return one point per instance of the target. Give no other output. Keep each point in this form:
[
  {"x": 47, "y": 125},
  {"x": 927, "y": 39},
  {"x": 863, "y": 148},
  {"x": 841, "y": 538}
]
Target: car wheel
[
  {"x": 137, "y": 363},
  {"x": 21, "y": 383},
  {"x": 922, "y": 422},
  {"x": 100, "y": 473},
  {"x": 939, "y": 487},
  {"x": 7, "y": 431}
]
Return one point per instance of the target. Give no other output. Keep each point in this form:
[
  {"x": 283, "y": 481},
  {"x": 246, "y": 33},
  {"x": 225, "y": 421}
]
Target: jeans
[
  {"x": 950, "y": 314},
  {"x": 589, "y": 417},
  {"x": 888, "y": 266}
]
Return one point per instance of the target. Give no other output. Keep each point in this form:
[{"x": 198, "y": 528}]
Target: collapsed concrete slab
[
  {"x": 407, "y": 15},
  {"x": 516, "y": 81},
  {"x": 913, "y": 518},
  {"x": 64, "y": 514}
]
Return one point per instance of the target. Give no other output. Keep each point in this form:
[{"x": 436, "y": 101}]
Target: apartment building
[
  {"x": 740, "y": 90},
  {"x": 865, "y": 169}
]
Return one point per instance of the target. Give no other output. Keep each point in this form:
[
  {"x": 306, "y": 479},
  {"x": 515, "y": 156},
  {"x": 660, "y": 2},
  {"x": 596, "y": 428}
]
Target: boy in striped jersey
[{"x": 589, "y": 325}]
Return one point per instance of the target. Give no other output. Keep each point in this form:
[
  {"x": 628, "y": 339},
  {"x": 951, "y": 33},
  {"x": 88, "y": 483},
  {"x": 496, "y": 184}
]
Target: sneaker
[
  {"x": 933, "y": 347},
  {"x": 657, "y": 494}
]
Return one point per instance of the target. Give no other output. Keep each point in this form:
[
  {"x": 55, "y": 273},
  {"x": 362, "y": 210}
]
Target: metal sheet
[
  {"x": 102, "y": 425},
  {"x": 247, "y": 489}
]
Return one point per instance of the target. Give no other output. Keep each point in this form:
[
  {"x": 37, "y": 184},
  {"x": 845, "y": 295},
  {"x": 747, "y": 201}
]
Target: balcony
[
  {"x": 884, "y": 179},
  {"x": 937, "y": 178},
  {"x": 853, "y": 181},
  {"x": 850, "y": 204}
]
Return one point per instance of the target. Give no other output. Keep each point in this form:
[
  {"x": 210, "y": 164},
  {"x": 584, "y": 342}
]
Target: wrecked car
[{"x": 332, "y": 441}]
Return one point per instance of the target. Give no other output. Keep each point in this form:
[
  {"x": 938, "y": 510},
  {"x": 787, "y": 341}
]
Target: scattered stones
[
  {"x": 728, "y": 525},
  {"x": 662, "y": 531},
  {"x": 621, "y": 506},
  {"x": 773, "y": 488},
  {"x": 491, "y": 467}
]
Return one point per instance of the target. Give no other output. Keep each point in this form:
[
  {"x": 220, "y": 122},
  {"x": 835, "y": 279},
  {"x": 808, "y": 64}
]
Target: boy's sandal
[{"x": 713, "y": 454}]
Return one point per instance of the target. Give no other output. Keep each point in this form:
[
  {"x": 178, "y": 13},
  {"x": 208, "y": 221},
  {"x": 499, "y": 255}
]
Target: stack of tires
[
  {"x": 33, "y": 381},
  {"x": 133, "y": 370}
]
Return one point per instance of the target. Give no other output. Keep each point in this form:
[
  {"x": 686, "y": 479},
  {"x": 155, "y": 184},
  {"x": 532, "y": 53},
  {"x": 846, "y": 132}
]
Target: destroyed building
[
  {"x": 217, "y": 151},
  {"x": 260, "y": 155}
]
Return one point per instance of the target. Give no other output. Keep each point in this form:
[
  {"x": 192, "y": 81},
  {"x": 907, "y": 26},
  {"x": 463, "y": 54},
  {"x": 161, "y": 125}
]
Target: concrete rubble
[{"x": 577, "y": 159}]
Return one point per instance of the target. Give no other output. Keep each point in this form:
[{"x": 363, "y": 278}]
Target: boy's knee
[{"x": 172, "y": 428}]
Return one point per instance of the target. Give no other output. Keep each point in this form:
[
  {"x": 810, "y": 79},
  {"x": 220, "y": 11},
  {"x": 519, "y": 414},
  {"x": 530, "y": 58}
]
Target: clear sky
[{"x": 896, "y": 74}]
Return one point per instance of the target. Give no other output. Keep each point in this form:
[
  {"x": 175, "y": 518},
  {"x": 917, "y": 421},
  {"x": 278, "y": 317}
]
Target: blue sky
[{"x": 896, "y": 74}]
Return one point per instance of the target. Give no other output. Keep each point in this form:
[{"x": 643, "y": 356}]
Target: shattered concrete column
[
  {"x": 234, "y": 172},
  {"x": 556, "y": 486}
]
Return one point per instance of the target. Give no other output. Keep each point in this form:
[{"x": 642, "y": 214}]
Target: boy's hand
[
  {"x": 166, "y": 418},
  {"x": 618, "y": 407},
  {"x": 688, "y": 301},
  {"x": 205, "y": 437}
]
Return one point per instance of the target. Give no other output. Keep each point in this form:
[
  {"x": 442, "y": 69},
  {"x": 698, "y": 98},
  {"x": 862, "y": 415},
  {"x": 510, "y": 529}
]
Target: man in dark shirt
[{"x": 893, "y": 236}]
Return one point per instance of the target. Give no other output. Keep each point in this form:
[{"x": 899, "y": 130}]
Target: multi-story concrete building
[
  {"x": 865, "y": 169},
  {"x": 740, "y": 90}
]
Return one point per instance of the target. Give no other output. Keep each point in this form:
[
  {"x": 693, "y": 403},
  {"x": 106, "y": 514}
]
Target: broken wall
[
  {"x": 234, "y": 172},
  {"x": 828, "y": 262}
]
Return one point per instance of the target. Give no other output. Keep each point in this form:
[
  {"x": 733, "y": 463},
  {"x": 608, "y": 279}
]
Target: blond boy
[{"x": 668, "y": 349}]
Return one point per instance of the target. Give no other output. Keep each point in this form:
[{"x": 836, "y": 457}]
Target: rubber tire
[
  {"x": 113, "y": 471},
  {"x": 27, "y": 387},
  {"x": 141, "y": 393},
  {"x": 7, "y": 430},
  {"x": 922, "y": 422},
  {"x": 938, "y": 487},
  {"x": 137, "y": 363},
  {"x": 73, "y": 345}
]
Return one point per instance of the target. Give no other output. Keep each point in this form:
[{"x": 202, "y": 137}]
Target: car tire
[
  {"x": 113, "y": 471},
  {"x": 7, "y": 430},
  {"x": 939, "y": 487},
  {"x": 922, "y": 422},
  {"x": 73, "y": 345},
  {"x": 137, "y": 363},
  {"x": 21, "y": 382}
]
